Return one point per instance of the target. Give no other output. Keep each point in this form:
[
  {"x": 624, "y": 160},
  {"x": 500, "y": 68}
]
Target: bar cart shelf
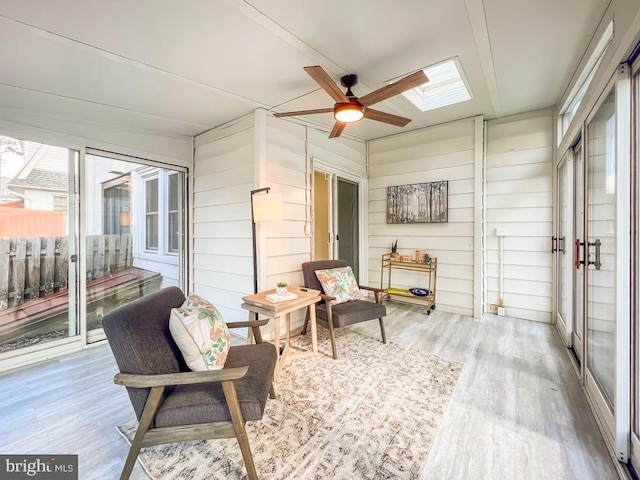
[{"x": 428, "y": 270}]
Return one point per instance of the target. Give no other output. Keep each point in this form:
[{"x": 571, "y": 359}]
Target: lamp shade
[
  {"x": 267, "y": 207},
  {"x": 348, "y": 112}
]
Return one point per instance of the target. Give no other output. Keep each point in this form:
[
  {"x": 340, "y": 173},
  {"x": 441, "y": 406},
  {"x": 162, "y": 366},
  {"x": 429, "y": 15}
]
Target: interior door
[
  {"x": 347, "y": 231},
  {"x": 336, "y": 219}
]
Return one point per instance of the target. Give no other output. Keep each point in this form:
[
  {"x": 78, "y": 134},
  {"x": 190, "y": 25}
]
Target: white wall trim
[
  {"x": 478, "y": 215},
  {"x": 622, "y": 402}
]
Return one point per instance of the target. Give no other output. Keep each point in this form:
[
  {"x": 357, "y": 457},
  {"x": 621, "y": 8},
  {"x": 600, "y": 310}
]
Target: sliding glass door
[
  {"x": 38, "y": 246},
  {"x": 134, "y": 225},
  {"x": 600, "y": 249}
]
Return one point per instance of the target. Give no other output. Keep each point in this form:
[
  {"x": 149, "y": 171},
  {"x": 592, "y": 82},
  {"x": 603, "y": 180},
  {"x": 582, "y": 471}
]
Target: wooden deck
[{"x": 122, "y": 286}]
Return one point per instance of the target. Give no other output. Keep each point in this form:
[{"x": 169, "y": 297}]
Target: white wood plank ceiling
[{"x": 182, "y": 68}]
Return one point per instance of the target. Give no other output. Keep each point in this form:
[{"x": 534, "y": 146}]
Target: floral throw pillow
[
  {"x": 339, "y": 283},
  {"x": 200, "y": 333}
]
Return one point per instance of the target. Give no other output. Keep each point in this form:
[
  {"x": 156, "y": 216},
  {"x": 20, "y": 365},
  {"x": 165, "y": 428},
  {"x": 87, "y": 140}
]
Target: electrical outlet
[
  {"x": 493, "y": 308},
  {"x": 501, "y": 312}
]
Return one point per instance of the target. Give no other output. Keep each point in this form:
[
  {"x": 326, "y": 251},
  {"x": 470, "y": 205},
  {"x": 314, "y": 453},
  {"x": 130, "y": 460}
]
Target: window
[
  {"x": 60, "y": 203},
  {"x": 574, "y": 99},
  {"x": 116, "y": 215},
  {"x": 151, "y": 214}
]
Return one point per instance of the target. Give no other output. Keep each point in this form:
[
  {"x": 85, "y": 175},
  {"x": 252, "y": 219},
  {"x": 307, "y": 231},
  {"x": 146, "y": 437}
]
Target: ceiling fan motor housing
[{"x": 349, "y": 80}]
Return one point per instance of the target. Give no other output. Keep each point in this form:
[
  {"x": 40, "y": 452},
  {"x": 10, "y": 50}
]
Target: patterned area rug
[{"x": 371, "y": 414}]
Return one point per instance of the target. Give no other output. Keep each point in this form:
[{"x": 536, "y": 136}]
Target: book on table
[{"x": 275, "y": 298}]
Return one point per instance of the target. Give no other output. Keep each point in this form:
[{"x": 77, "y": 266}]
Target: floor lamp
[{"x": 264, "y": 208}]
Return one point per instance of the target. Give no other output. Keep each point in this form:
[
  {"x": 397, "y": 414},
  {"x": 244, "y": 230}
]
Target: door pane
[
  {"x": 565, "y": 216},
  {"x": 601, "y": 235},
  {"x": 348, "y": 230},
  {"x": 36, "y": 277},
  {"x": 134, "y": 216}
]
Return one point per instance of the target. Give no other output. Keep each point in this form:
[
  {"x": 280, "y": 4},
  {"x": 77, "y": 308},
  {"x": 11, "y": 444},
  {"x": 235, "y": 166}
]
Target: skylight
[{"x": 446, "y": 86}]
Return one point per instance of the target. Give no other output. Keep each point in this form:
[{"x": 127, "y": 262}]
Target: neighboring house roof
[
  {"x": 10, "y": 198},
  {"x": 43, "y": 180}
]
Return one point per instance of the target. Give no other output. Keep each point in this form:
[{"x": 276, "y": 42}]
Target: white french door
[
  {"x": 601, "y": 334},
  {"x": 562, "y": 248}
]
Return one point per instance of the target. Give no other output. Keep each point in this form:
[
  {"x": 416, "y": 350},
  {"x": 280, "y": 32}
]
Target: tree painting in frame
[{"x": 418, "y": 203}]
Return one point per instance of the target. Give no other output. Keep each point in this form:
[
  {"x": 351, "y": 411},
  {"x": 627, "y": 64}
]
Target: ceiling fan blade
[
  {"x": 303, "y": 112},
  {"x": 328, "y": 85},
  {"x": 386, "y": 117},
  {"x": 337, "y": 129},
  {"x": 410, "y": 81}
]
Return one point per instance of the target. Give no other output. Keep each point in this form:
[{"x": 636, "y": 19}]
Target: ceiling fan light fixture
[{"x": 348, "y": 112}]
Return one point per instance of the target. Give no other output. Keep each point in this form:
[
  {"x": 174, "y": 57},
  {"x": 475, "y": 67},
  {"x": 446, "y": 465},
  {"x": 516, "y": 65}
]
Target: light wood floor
[{"x": 518, "y": 411}]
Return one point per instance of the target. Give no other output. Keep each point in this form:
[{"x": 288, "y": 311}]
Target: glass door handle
[
  {"x": 597, "y": 262},
  {"x": 576, "y": 253},
  {"x": 560, "y": 247},
  {"x": 554, "y": 244}
]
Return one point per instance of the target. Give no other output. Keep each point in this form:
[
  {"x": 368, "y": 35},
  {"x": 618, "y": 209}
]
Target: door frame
[{"x": 363, "y": 199}]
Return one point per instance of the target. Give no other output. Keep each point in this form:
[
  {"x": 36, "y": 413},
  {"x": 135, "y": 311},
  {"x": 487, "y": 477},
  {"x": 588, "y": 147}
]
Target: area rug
[{"x": 371, "y": 414}]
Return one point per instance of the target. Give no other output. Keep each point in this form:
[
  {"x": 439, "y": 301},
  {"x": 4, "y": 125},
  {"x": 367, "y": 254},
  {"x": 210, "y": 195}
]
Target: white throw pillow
[
  {"x": 339, "y": 283},
  {"x": 200, "y": 333}
]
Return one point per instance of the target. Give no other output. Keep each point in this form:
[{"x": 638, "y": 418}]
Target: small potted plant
[
  {"x": 394, "y": 250},
  {"x": 281, "y": 288}
]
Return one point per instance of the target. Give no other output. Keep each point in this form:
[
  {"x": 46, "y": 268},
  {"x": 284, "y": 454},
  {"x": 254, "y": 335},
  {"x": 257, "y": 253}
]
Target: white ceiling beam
[{"x": 478, "y": 21}]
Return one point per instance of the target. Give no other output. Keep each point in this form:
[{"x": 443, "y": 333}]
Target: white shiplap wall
[
  {"x": 518, "y": 176},
  {"x": 443, "y": 152},
  {"x": 254, "y": 152},
  {"x": 223, "y": 176},
  {"x": 287, "y": 244}
]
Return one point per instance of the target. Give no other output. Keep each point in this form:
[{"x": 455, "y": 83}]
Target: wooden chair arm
[
  {"x": 373, "y": 289},
  {"x": 327, "y": 298},
  {"x": 248, "y": 323},
  {"x": 376, "y": 291},
  {"x": 181, "y": 378}
]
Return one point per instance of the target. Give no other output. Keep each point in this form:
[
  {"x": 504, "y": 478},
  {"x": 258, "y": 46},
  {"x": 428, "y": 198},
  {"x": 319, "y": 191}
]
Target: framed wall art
[{"x": 418, "y": 203}]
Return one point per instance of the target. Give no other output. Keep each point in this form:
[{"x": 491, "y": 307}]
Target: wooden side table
[{"x": 306, "y": 298}]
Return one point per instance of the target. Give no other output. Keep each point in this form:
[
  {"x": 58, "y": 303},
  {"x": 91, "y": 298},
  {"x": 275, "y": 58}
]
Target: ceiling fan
[{"x": 349, "y": 108}]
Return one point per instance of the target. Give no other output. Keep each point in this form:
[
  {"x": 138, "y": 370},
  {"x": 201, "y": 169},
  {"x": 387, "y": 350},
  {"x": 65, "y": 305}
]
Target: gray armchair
[
  {"x": 172, "y": 403},
  {"x": 348, "y": 313}
]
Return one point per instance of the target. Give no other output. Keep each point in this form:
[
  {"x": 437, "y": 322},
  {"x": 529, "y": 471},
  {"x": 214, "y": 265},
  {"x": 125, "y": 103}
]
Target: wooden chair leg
[
  {"x": 306, "y": 323},
  {"x": 238, "y": 425},
  {"x": 332, "y": 333},
  {"x": 272, "y": 392},
  {"x": 384, "y": 335},
  {"x": 151, "y": 407},
  {"x": 257, "y": 335}
]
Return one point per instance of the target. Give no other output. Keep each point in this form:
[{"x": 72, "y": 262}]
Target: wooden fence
[{"x": 34, "y": 267}]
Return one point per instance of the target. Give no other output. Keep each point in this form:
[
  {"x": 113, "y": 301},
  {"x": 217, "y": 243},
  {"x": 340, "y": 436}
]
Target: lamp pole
[{"x": 253, "y": 226}]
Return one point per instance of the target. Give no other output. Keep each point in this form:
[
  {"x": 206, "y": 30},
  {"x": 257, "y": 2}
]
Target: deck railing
[{"x": 34, "y": 267}]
